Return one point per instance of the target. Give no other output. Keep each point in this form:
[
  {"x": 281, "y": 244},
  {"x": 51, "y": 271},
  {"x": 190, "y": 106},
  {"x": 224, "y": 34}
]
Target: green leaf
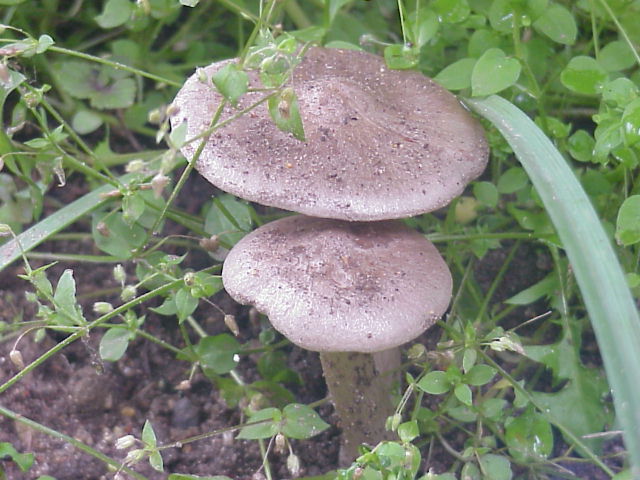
[
  {"x": 578, "y": 405},
  {"x": 400, "y": 57},
  {"x": 185, "y": 303},
  {"x": 493, "y": 72},
  {"x": 584, "y": 75},
  {"x": 581, "y": 145},
  {"x": 133, "y": 206},
  {"x": 148, "y": 435},
  {"x": 479, "y": 375},
  {"x": 231, "y": 82},
  {"x": 529, "y": 437},
  {"x": 451, "y": 11},
  {"x": 435, "y": 383},
  {"x": 23, "y": 460},
  {"x": 44, "y": 42},
  {"x": 463, "y": 393},
  {"x": 112, "y": 234},
  {"x": 408, "y": 431},
  {"x": 114, "y": 13},
  {"x": 631, "y": 123},
  {"x": 486, "y": 193},
  {"x": 512, "y": 180},
  {"x": 301, "y": 421},
  {"x": 558, "y": 24},
  {"x": 619, "y": 92},
  {"x": 155, "y": 460},
  {"x": 544, "y": 288},
  {"x": 457, "y": 75},
  {"x": 116, "y": 94},
  {"x": 595, "y": 265},
  {"x": 65, "y": 298},
  {"x": 285, "y": 113},
  {"x": 267, "y": 419},
  {"x": 424, "y": 26},
  {"x": 229, "y": 218},
  {"x": 86, "y": 121},
  {"x": 218, "y": 353},
  {"x": 114, "y": 343},
  {"x": 628, "y": 221},
  {"x": 495, "y": 467},
  {"x": 616, "y": 56},
  {"x": 167, "y": 308}
]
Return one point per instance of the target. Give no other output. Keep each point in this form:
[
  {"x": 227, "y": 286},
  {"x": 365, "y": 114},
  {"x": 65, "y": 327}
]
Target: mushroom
[
  {"x": 380, "y": 143},
  {"x": 346, "y": 290}
]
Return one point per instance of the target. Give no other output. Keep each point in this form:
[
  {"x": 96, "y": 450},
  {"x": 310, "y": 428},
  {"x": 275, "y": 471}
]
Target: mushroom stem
[{"x": 361, "y": 396}]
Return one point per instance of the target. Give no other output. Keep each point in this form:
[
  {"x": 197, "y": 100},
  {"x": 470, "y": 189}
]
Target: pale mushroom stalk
[
  {"x": 351, "y": 291},
  {"x": 361, "y": 396}
]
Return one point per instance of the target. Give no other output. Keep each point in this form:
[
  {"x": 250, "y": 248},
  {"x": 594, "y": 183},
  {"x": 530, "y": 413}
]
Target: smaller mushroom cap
[
  {"x": 380, "y": 143},
  {"x": 330, "y": 285}
]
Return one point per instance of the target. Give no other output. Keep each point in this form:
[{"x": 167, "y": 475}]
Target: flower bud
[
  {"x": 16, "y": 358},
  {"x": 125, "y": 442},
  {"x": 102, "y": 308},
  {"x": 293, "y": 465},
  {"x": 210, "y": 244},
  {"x": 281, "y": 443},
  {"x": 128, "y": 293},
  {"x": 189, "y": 279},
  {"x": 134, "y": 456},
  {"x": 230, "y": 322},
  {"x": 119, "y": 274},
  {"x": 136, "y": 165},
  {"x": 158, "y": 183}
]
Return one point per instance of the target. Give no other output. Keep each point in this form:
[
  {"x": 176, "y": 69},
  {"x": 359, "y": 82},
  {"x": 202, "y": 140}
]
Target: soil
[{"x": 98, "y": 402}]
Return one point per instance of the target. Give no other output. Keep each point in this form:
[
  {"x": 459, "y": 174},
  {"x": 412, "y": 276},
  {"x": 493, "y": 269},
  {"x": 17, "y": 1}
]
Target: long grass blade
[{"x": 606, "y": 295}]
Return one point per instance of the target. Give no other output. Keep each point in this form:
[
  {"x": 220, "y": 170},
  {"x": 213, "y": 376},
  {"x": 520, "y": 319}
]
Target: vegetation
[{"x": 85, "y": 94}]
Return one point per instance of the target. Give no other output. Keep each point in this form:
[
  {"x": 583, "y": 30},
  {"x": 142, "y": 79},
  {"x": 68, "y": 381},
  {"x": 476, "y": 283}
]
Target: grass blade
[
  {"x": 611, "y": 307},
  {"x": 38, "y": 233}
]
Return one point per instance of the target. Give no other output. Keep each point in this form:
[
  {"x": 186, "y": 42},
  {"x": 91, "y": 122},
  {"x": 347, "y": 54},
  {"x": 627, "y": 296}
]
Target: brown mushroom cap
[
  {"x": 379, "y": 144},
  {"x": 330, "y": 285}
]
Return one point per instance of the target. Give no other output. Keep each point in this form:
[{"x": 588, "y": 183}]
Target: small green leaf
[
  {"x": 463, "y": 393},
  {"x": 628, "y": 221},
  {"x": 86, "y": 121},
  {"x": 529, "y": 437},
  {"x": 495, "y": 467},
  {"x": 231, "y": 82},
  {"x": 408, "y": 431},
  {"x": 513, "y": 180},
  {"x": 113, "y": 236},
  {"x": 229, "y": 218},
  {"x": 148, "y": 435},
  {"x": 581, "y": 145},
  {"x": 114, "y": 343},
  {"x": 424, "y": 26},
  {"x": 493, "y": 72},
  {"x": 285, "y": 113},
  {"x": 44, "y": 42},
  {"x": 584, "y": 75},
  {"x": 451, "y": 11},
  {"x": 114, "y": 94},
  {"x": 435, "y": 383},
  {"x": 114, "y": 13},
  {"x": 558, "y": 24},
  {"x": 218, "y": 353},
  {"x": 133, "y": 206},
  {"x": 619, "y": 92},
  {"x": 185, "y": 303},
  {"x": 486, "y": 193},
  {"x": 631, "y": 123},
  {"x": 23, "y": 460},
  {"x": 469, "y": 359},
  {"x": 155, "y": 460},
  {"x": 400, "y": 57},
  {"x": 267, "y": 421},
  {"x": 65, "y": 298},
  {"x": 457, "y": 75},
  {"x": 301, "y": 421},
  {"x": 616, "y": 56},
  {"x": 167, "y": 308},
  {"x": 479, "y": 375}
]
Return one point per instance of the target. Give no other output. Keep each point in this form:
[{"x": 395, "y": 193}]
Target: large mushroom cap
[
  {"x": 379, "y": 144},
  {"x": 330, "y": 285}
]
